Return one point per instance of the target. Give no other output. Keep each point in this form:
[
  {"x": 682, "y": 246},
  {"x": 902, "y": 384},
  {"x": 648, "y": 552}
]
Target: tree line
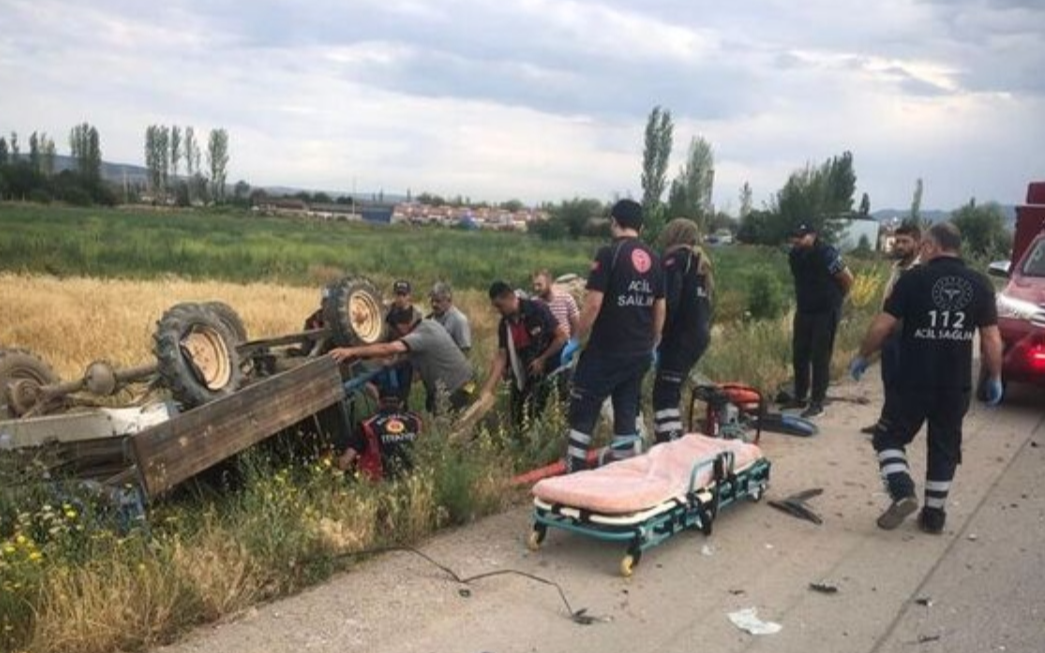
[
  {"x": 34, "y": 176},
  {"x": 167, "y": 147}
]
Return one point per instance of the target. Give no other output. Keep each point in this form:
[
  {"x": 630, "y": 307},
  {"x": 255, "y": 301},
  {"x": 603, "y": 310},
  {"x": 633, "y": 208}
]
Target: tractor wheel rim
[
  {"x": 365, "y": 316},
  {"x": 207, "y": 350},
  {"x": 22, "y": 394}
]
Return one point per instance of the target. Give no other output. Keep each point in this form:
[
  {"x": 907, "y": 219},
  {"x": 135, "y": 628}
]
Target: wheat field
[{"x": 71, "y": 322}]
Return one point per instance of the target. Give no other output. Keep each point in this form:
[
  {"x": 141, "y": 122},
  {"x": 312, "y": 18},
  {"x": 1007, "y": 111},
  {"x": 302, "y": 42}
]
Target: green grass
[{"x": 240, "y": 247}]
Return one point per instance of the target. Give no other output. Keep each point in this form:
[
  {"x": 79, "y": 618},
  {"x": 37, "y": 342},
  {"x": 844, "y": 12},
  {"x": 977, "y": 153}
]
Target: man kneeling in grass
[
  {"x": 432, "y": 352},
  {"x": 381, "y": 447}
]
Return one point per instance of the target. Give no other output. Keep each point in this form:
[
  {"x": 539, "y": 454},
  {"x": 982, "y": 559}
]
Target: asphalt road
[{"x": 979, "y": 587}]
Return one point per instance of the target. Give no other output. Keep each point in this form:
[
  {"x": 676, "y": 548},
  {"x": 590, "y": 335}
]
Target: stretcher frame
[{"x": 643, "y": 530}]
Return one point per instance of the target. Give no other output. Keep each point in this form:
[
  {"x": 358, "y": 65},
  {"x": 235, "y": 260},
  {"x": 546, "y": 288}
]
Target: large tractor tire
[
  {"x": 354, "y": 312},
  {"x": 230, "y": 318},
  {"x": 196, "y": 355},
  {"x": 22, "y": 374}
]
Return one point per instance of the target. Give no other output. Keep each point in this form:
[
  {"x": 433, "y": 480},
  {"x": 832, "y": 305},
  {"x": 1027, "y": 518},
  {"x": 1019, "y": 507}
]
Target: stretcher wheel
[
  {"x": 757, "y": 492},
  {"x": 628, "y": 564},
  {"x": 536, "y": 538}
]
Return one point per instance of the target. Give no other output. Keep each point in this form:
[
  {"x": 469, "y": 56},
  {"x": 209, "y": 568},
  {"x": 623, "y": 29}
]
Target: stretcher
[{"x": 645, "y": 500}]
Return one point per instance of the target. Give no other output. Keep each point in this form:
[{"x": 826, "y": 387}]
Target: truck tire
[
  {"x": 22, "y": 373},
  {"x": 354, "y": 312},
  {"x": 196, "y": 355},
  {"x": 230, "y": 318}
]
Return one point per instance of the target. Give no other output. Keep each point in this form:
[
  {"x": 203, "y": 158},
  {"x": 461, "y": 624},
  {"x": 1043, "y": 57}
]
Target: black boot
[{"x": 932, "y": 520}]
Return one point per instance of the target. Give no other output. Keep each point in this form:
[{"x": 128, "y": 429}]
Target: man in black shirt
[
  {"x": 381, "y": 447},
  {"x": 624, "y": 311},
  {"x": 822, "y": 281},
  {"x": 687, "y": 328},
  {"x": 529, "y": 340},
  {"x": 942, "y": 305}
]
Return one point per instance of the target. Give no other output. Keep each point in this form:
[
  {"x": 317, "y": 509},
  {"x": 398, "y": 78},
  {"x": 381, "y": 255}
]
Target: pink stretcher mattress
[{"x": 642, "y": 482}]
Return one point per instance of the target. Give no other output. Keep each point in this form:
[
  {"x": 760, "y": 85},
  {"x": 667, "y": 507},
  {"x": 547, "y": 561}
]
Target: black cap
[
  {"x": 500, "y": 289},
  {"x": 401, "y": 287},
  {"x": 628, "y": 214},
  {"x": 803, "y": 229}
]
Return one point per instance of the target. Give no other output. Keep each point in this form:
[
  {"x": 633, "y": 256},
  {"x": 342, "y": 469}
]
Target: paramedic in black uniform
[
  {"x": 822, "y": 281},
  {"x": 529, "y": 341},
  {"x": 942, "y": 305},
  {"x": 687, "y": 327},
  {"x": 624, "y": 311}
]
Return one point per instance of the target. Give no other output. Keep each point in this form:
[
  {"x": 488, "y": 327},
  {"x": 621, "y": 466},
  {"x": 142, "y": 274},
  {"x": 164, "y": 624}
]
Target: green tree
[
  {"x": 5, "y": 154},
  {"x": 690, "y": 194},
  {"x": 839, "y": 184},
  {"x": 218, "y": 161},
  {"x": 85, "y": 147},
  {"x": 575, "y": 215},
  {"x": 49, "y": 157},
  {"x": 34, "y": 151},
  {"x": 983, "y": 229},
  {"x": 865, "y": 205},
  {"x": 745, "y": 200},
  {"x": 176, "y": 150},
  {"x": 656, "y": 155},
  {"x": 916, "y": 202},
  {"x": 13, "y": 144}
]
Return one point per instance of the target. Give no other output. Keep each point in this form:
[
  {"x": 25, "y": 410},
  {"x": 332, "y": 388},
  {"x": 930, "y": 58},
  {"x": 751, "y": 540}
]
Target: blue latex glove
[
  {"x": 858, "y": 366},
  {"x": 994, "y": 392},
  {"x": 569, "y": 351},
  {"x": 655, "y": 359}
]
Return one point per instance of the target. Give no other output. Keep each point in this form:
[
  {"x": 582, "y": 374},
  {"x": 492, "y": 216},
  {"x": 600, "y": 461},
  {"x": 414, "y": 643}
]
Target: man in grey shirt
[
  {"x": 453, "y": 320},
  {"x": 432, "y": 352}
]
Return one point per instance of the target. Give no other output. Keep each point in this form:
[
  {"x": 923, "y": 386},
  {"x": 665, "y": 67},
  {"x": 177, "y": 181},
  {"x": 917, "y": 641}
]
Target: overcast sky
[{"x": 545, "y": 99}]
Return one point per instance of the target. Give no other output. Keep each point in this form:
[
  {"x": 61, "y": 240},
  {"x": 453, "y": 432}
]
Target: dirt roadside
[{"x": 680, "y": 595}]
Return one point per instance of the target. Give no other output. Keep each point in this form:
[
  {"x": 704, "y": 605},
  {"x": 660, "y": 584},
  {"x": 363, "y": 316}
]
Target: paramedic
[
  {"x": 432, "y": 353},
  {"x": 382, "y": 445},
  {"x": 624, "y": 310},
  {"x": 822, "y": 281},
  {"x": 942, "y": 305},
  {"x": 905, "y": 255},
  {"x": 529, "y": 341},
  {"x": 687, "y": 327}
]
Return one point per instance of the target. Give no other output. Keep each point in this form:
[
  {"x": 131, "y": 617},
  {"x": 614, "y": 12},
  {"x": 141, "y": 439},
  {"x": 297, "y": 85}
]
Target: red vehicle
[{"x": 1021, "y": 304}]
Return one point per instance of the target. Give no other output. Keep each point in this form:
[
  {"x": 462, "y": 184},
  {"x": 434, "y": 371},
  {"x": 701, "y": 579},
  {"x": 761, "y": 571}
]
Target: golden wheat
[{"x": 71, "y": 322}]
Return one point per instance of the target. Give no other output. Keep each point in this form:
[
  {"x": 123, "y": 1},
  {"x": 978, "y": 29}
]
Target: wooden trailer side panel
[{"x": 170, "y": 453}]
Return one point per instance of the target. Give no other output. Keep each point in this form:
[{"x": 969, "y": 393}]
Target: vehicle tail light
[{"x": 1036, "y": 357}]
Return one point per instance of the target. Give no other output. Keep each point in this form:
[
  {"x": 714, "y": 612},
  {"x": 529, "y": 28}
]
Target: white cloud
[{"x": 542, "y": 99}]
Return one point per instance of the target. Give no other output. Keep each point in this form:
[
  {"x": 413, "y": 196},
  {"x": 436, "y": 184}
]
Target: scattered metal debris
[
  {"x": 795, "y": 505},
  {"x": 824, "y": 588},
  {"x": 924, "y": 600}
]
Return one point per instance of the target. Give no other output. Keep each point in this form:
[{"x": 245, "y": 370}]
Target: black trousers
[
  {"x": 944, "y": 410},
  {"x": 600, "y": 375},
  {"x": 528, "y": 403},
  {"x": 812, "y": 344},
  {"x": 891, "y": 375},
  {"x": 676, "y": 362}
]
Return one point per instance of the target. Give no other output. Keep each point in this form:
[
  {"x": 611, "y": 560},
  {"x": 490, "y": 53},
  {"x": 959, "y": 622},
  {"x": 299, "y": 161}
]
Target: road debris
[
  {"x": 924, "y": 600},
  {"x": 925, "y": 639},
  {"x": 706, "y": 550},
  {"x": 748, "y": 621},
  {"x": 795, "y": 505},
  {"x": 824, "y": 588}
]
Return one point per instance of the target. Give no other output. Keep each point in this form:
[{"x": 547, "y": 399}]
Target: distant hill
[
  {"x": 936, "y": 215},
  {"x": 114, "y": 172}
]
